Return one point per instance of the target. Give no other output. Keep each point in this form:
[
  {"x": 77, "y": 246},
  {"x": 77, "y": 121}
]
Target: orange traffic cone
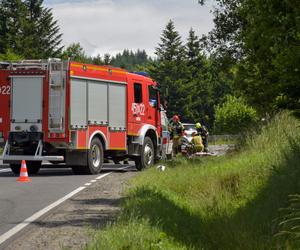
[{"x": 23, "y": 173}]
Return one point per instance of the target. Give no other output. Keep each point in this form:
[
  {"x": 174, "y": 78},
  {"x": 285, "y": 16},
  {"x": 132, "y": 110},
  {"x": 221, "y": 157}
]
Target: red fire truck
[{"x": 78, "y": 114}]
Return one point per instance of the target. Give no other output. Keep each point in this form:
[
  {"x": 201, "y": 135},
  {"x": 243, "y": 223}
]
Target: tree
[
  {"x": 130, "y": 60},
  {"x": 198, "y": 105},
  {"x": 170, "y": 48},
  {"x": 193, "y": 50},
  {"x": 260, "y": 41},
  {"x": 29, "y": 29},
  {"x": 43, "y": 37},
  {"x": 13, "y": 13},
  {"x": 97, "y": 60},
  {"x": 170, "y": 69},
  {"x": 74, "y": 52},
  {"x": 107, "y": 59}
]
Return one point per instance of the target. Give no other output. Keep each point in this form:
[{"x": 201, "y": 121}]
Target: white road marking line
[
  {"x": 93, "y": 181},
  {"x": 102, "y": 176},
  {"x": 38, "y": 214},
  {"x": 5, "y": 170},
  {"x": 88, "y": 184}
]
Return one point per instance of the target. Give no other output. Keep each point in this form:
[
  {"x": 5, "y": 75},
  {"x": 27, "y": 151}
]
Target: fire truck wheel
[
  {"x": 15, "y": 168},
  {"x": 33, "y": 167},
  {"x": 169, "y": 156},
  {"x": 95, "y": 157},
  {"x": 147, "y": 155}
]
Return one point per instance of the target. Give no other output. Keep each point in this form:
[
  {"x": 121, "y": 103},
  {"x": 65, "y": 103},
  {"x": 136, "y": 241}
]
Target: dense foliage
[
  {"x": 260, "y": 40},
  {"x": 253, "y": 52},
  {"x": 234, "y": 116},
  {"x": 28, "y": 30},
  {"x": 131, "y": 60},
  {"x": 128, "y": 59}
]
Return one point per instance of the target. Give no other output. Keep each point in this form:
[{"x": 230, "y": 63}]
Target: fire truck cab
[{"x": 79, "y": 114}]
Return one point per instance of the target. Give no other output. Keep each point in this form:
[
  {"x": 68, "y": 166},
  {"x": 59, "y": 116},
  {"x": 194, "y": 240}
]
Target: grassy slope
[{"x": 229, "y": 202}]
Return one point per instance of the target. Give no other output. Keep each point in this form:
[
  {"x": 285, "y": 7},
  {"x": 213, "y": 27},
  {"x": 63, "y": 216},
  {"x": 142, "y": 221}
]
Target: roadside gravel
[{"x": 67, "y": 226}]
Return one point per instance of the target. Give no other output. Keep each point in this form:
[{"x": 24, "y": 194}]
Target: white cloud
[{"x": 109, "y": 26}]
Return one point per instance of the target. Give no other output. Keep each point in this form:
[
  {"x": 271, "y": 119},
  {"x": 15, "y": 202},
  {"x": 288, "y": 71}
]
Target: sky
[{"x": 110, "y": 26}]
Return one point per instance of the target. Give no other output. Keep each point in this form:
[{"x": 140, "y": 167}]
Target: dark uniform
[{"x": 176, "y": 129}]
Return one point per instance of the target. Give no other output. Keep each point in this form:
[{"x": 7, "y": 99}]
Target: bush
[{"x": 234, "y": 116}]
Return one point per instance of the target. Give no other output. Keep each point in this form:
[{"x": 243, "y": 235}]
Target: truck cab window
[
  {"x": 138, "y": 95},
  {"x": 152, "y": 96}
]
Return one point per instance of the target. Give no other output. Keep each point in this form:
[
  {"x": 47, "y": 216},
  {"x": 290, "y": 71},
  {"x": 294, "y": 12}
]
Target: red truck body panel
[{"x": 118, "y": 82}]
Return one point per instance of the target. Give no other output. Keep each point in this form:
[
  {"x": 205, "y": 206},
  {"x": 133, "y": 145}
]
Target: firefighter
[
  {"x": 202, "y": 130},
  {"x": 176, "y": 129},
  {"x": 197, "y": 142}
]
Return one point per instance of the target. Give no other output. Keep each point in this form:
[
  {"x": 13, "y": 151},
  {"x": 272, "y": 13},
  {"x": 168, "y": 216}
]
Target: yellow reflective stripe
[
  {"x": 117, "y": 149},
  {"x": 98, "y": 68}
]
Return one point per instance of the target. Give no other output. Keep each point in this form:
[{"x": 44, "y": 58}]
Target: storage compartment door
[
  {"x": 117, "y": 107},
  {"x": 97, "y": 103},
  {"x": 27, "y": 104},
  {"x": 78, "y": 103}
]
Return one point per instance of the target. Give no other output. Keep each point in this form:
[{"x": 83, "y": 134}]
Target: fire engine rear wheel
[
  {"x": 15, "y": 168},
  {"x": 147, "y": 155},
  {"x": 95, "y": 157},
  {"x": 33, "y": 167},
  {"x": 94, "y": 161}
]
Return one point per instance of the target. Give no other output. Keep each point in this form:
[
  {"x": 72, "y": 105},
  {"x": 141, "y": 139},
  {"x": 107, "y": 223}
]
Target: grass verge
[{"x": 229, "y": 202}]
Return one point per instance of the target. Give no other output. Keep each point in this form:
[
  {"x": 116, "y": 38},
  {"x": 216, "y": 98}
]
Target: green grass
[{"x": 228, "y": 202}]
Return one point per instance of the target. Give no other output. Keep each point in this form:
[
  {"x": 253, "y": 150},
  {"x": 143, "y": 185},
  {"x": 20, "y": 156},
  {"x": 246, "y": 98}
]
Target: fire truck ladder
[{"x": 57, "y": 92}]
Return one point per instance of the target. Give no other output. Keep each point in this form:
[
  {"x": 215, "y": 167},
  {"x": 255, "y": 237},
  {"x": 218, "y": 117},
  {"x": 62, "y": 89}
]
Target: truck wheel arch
[
  {"x": 153, "y": 136},
  {"x": 101, "y": 136},
  {"x": 150, "y": 131}
]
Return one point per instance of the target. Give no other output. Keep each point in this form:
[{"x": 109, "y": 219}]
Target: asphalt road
[{"x": 19, "y": 201}]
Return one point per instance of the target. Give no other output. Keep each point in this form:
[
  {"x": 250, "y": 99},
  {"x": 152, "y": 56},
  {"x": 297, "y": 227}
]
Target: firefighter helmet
[
  {"x": 198, "y": 125},
  {"x": 175, "y": 118}
]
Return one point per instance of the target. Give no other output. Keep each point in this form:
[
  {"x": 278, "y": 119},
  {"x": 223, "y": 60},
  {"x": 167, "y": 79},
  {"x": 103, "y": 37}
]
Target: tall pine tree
[
  {"x": 13, "y": 20},
  {"x": 28, "y": 29},
  {"x": 198, "y": 105},
  {"x": 43, "y": 37},
  {"x": 170, "y": 69}
]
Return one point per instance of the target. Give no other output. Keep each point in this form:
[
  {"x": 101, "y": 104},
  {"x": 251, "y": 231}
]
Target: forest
[{"x": 244, "y": 70}]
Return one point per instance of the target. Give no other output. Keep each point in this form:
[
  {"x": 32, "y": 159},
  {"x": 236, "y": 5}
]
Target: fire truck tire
[
  {"x": 15, "y": 168},
  {"x": 94, "y": 161},
  {"x": 95, "y": 157},
  {"x": 146, "y": 158},
  {"x": 169, "y": 156},
  {"x": 33, "y": 167}
]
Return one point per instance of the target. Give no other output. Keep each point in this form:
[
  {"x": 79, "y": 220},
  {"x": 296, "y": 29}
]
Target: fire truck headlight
[{"x": 33, "y": 128}]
